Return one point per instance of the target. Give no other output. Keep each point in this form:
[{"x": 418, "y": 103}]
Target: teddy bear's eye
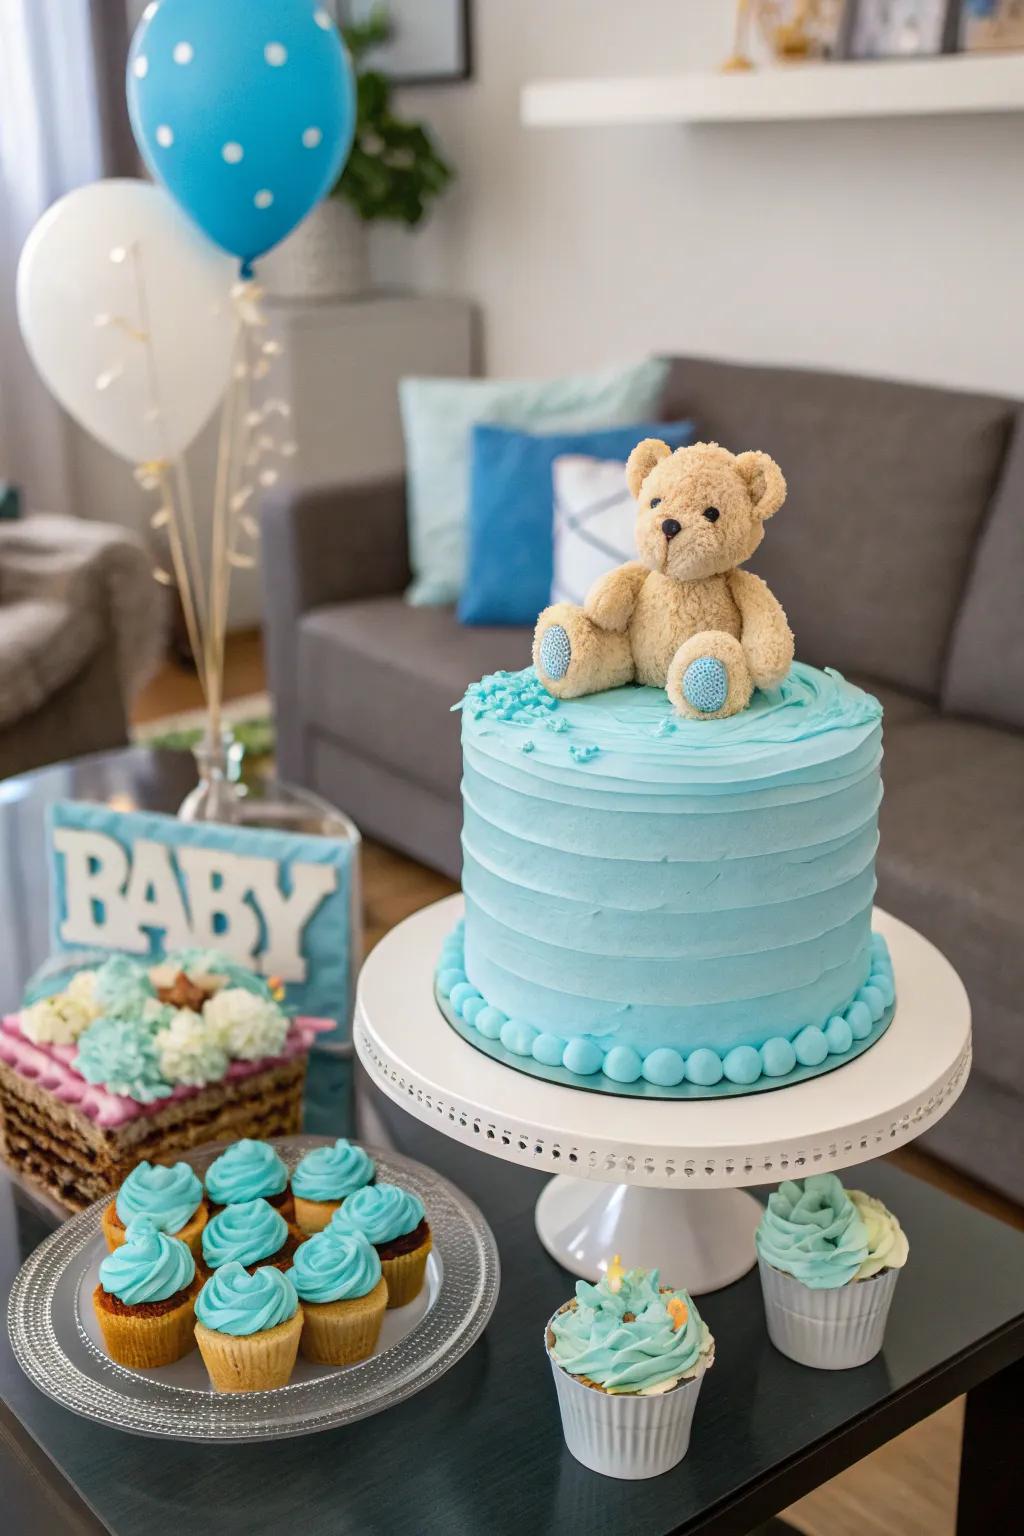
[
  {"x": 712, "y": 514},
  {"x": 655, "y": 502}
]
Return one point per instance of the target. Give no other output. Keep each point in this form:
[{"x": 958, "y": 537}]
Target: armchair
[{"x": 80, "y": 628}]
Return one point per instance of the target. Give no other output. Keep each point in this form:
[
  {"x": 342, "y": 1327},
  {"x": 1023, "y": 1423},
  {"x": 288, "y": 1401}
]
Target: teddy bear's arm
[
  {"x": 612, "y": 598},
  {"x": 766, "y": 637}
]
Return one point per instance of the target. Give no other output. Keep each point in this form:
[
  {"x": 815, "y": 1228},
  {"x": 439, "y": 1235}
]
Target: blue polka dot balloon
[{"x": 245, "y": 110}]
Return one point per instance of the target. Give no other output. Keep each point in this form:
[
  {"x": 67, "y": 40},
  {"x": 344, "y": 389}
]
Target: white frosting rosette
[
  {"x": 81, "y": 990},
  {"x": 60, "y": 1019},
  {"x": 887, "y": 1242},
  {"x": 190, "y": 1051},
  {"x": 54, "y": 1020},
  {"x": 248, "y": 1026}
]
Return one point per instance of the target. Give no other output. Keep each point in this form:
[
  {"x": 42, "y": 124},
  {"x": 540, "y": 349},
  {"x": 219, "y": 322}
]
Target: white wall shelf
[{"x": 893, "y": 88}]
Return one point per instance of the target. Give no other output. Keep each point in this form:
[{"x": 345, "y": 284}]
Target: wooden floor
[
  {"x": 395, "y": 887},
  {"x": 175, "y": 688},
  {"x": 908, "y": 1488}
]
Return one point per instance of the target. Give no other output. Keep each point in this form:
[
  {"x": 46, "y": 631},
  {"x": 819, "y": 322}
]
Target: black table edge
[
  {"x": 818, "y": 1463},
  {"x": 25, "y": 1460}
]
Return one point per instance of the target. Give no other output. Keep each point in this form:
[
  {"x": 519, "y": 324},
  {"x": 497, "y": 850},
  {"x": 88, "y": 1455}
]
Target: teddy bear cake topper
[{"x": 684, "y": 617}]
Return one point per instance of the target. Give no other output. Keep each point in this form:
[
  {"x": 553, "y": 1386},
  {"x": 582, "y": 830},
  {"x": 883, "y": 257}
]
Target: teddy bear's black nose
[{"x": 670, "y": 527}]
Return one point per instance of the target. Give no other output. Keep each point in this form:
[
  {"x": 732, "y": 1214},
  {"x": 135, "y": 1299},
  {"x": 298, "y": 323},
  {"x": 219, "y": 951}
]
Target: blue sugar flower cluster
[{"x": 519, "y": 696}]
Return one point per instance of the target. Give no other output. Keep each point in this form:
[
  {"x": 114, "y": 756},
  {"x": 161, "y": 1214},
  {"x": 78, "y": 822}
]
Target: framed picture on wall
[
  {"x": 430, "y": 41},
  {"x": 900, "y": 29},
  {"x": 991, "y": 25}
]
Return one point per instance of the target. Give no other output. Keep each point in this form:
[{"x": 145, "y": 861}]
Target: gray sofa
[{"x": 899, "y": 557}]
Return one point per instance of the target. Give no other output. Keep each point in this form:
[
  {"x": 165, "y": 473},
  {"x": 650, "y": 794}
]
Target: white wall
[{"x": 888, "y": 247}]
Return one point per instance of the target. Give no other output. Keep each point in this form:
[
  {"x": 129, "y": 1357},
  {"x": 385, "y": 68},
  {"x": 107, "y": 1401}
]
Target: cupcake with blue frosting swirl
[
  {"x": 248, "y": 1327},
  {"x": 829, "y": 1260},
  {"x": 145, "y": 1299},
  {"x": 395, "y": 1222},
  {"x": 325, "y": 1177},
  {"x": 171, "y": 1195},
  {"x": 250, "y": 1233},
  {"x": 344, "y": 1297},
  {"x": 628, "y": 1356},
  {"x": 249, "y": 1170}
]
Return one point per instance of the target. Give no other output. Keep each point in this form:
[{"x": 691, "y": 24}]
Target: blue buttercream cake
[{"x": 653, "y": 899}]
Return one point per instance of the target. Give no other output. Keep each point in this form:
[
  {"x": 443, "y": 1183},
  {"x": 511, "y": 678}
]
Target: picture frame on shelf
[
  {"x": 901, "y": 29},
  {"x": 795, "y": 30},
  {"x": 431, "y": 41},
  {"x": 991, "y": 26}
]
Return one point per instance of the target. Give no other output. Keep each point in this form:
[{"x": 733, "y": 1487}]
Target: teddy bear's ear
[
  {"x": 642, "y": 460},
  {"x": 765, "y": 482}
]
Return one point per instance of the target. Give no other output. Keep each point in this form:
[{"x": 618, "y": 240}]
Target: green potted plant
[{"x": 394, "y": 172}]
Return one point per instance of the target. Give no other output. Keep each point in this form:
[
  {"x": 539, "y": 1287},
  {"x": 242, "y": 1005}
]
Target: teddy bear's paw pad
[
  {"x": 555, "y": 652},
  {"x": 705, "y": 684}
]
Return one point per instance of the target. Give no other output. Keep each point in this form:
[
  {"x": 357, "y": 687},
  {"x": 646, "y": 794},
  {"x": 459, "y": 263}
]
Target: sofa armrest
[
  {"x": 323, "y": 544},
  {"x": 97, "y": 568},
  {"x": 330, "y": 544}
]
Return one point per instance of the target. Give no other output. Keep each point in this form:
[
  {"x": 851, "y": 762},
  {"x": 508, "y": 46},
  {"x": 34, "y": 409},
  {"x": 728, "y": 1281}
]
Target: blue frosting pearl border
[{"x": 665, "y": 1072}]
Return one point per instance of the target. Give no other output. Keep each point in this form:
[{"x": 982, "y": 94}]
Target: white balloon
[{"x": 126, "y": 313}]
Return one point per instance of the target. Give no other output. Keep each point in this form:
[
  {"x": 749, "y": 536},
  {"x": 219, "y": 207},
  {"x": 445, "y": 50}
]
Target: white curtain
[{"x": 53, "y": 125}]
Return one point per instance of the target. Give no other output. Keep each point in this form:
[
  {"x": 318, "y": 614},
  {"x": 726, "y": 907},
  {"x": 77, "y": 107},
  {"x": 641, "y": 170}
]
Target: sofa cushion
[
  {"x": 984, "y": 1138},
  {"x": 985, "y": 672},
  {"x": 898, "y": 707},
  {"x": 381, "y": 677},
  {"x": 43, "y": 644},
  {"x": 951, "y": 862},
  {"x": 889, "y": 485},
  {"x": 364, "y": 667},
  {"x": 386, "y": 804}
]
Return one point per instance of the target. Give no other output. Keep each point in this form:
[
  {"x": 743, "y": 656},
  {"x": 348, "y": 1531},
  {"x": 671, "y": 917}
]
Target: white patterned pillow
[{"x": 594, "y": 516}]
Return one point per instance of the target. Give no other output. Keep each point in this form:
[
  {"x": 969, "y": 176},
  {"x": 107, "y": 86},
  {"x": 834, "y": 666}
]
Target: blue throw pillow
[{"x": 511, "y": 512}]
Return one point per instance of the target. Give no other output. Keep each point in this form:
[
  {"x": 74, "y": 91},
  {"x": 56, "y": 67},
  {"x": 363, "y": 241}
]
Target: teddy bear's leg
[
  {"x": 574, "y": 657},
  {"x": 708, "y": 677}
]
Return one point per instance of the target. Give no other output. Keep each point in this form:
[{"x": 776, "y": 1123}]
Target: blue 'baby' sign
[{"x": 146, "y": 884}]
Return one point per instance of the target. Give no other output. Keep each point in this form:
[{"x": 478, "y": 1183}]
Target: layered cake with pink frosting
[{"x": 128, "y": 1061}]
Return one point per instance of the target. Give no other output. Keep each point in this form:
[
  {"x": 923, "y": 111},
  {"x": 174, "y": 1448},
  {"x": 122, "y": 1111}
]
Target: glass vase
[{"x": 218, "y": 796}]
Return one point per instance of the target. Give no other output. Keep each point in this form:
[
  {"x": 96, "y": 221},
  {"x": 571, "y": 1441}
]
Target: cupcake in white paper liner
[
  {"x": 628, "y": 1357},
  {"x": 829, "y": 1260}
]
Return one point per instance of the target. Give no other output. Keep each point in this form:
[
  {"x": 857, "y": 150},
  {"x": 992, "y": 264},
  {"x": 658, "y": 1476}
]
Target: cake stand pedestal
[{"x": 660, "y": 1181}]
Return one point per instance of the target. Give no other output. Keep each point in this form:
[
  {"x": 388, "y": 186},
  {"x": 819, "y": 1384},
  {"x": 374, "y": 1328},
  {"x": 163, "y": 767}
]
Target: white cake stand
[{"x": 661, "y": 1182}]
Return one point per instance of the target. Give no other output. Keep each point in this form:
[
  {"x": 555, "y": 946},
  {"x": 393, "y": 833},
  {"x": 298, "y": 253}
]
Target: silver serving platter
[{"x": 57, "y": 1343}]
